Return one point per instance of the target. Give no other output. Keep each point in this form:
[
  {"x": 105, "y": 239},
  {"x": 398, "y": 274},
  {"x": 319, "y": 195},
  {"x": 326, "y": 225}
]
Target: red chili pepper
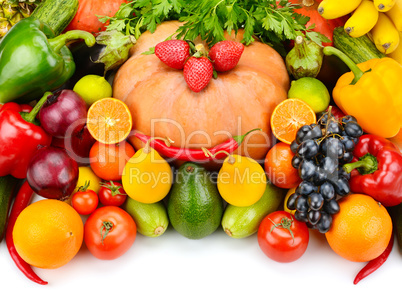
[
  {"x": 193, "y": 154},
  {"x": 379, "y": 170},
  {"x": 376, "y": 263},
  {"x": 22, "y": 200},
  {"x": 20, "y": 137}
]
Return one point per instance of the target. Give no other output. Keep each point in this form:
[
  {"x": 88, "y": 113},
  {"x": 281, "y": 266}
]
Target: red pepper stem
[
  {"x": 240, "y": 139},
  {"x": 328, "y": 51},
  {"x": 367, "y": 164},
  {"x": 31, "y": 116}
]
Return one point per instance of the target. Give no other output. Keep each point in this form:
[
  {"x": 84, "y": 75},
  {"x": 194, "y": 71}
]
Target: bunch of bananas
[{"x": 381, "y": 20}]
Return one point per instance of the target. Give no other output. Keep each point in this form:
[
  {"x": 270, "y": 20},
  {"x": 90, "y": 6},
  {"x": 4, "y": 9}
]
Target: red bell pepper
[
  {"x": 20, "y": 137},
  {"x": 379, "y": 170}
]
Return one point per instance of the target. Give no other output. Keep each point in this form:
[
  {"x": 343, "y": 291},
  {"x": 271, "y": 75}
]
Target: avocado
[{"x": 195, "y": 207}]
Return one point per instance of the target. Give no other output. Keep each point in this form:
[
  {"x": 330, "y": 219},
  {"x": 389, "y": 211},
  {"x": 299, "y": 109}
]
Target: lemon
[
  {"x": 312, "y": 91},
  {"x": 86, "y": 175},
  {"x": 92, "y": 88}
]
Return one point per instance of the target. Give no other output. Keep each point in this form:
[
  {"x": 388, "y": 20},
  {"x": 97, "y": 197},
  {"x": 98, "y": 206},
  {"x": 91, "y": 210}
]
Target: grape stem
[{"x": 366, "y": 164}]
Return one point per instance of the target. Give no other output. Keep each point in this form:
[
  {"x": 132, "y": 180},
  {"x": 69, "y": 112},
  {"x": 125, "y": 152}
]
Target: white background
[{"x": 216, "y": 266}]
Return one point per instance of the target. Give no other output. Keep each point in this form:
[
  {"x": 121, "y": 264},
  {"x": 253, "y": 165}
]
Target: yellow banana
[
  {"x": 397, "y": 54},
  {"x": 332, "y": 9},
  {"x": 384, "y": 5},
  {"x": 385, "y": 35},
  {"x": 362, "y": 20},
  {"x": 395, "y": 14}
]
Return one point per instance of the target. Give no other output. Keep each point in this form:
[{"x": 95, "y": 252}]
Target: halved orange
[
  {"x": 109, "y": 120},
  {"x": 289, "y": 116}
]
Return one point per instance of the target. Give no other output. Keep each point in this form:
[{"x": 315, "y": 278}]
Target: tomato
[
  {"x": 112, "y": 194},
  {"x": 283, "y": 238},
  {"x": 109, "y": 232},
  {"x": 85, "y": 201}
]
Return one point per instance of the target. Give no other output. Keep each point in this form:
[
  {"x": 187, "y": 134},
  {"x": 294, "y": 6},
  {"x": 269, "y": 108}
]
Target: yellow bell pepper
[{"x": 371, "y": 92}]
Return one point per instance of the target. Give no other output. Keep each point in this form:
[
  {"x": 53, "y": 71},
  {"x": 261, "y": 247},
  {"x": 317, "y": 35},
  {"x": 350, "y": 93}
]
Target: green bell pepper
[{"x": 34, "y": 61}]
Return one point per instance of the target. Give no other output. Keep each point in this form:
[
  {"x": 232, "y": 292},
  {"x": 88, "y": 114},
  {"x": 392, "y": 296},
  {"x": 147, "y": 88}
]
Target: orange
[
  {"x": 48, "y": 234},
  {"x": 278, "y": 166},
  {"x": 361, "y": 230},
  {"x": 107, "y": 161},
  {"x": 109, "y": 120},
  {"x": 288, "y": 117}
]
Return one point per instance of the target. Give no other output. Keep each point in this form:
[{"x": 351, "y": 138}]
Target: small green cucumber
[
  {"x": 241, "y": 222},
  {"x": 151, "y": 219}
]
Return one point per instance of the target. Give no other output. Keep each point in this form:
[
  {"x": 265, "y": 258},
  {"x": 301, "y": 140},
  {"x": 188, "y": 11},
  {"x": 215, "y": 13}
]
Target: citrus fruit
[
  {"x": 109, "y": 120},
  {"x": 289, "y": 116},
  {"x": 92, "y": 88},
  {"x": 361, "y": 230},
  {"x": 108, "y": 160},
  {"x": 48, "y": 234},
  {"x": 311, "y": 91},
  {"x": 85, "y": 175},
  {"x": 288, "y": 194}
]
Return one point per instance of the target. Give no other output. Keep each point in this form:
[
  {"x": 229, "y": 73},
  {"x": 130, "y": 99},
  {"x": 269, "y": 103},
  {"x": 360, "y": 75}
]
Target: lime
[
  {"x": 312, "y": 91},
  {"x": 92, "y": 88}
]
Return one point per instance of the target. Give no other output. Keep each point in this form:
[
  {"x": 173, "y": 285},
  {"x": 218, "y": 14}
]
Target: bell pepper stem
[
  {"x": 239, "y": 139},
  {"x": 366, "y": 164},
  {"x": 30, "y": 117},
  {"x": 61, "y": 40},
  {"x": 358, "y": 73}
]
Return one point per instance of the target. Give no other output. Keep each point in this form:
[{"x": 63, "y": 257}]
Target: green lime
[
  {"x": 312, "y": 91},
  {"x": 92, "y": 88}
]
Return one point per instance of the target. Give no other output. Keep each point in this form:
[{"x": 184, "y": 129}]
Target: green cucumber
[
  {"x": 241, "y": 222},
  {"x": 7, "y": 186},
  {"x": 56, "y": 13},
  {"x": 151, "y": 219},
  {"x": 359, "y": 49}
]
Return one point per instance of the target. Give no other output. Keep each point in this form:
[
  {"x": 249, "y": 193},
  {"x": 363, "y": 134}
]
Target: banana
[
  {"x": 385, "y": 35},
  {"x": 397, "y": 54},
  {"x": 395, "y": 14},
  {"x": 362, "y": 20},
  {"x": 332, "y": 9},
  {"x": 384, "y": 5}
]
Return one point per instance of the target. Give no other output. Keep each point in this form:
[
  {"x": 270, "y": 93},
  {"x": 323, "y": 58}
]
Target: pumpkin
[
  {"x": 162, "y": 105},
  {"x": 87, "y": 14}
]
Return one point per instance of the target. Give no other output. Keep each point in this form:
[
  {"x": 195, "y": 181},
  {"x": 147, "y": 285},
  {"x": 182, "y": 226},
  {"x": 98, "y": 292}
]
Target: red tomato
[
  {"x": 112, "y": 194},
  {"x": 85, "y": 202},
  {"x": 276, "y": 240},
  {"x": 109, "y": 232}
]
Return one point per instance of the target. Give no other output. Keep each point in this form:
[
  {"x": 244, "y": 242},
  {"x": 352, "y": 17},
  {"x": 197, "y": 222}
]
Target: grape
[
  {"x": 315, "y": 201},
  {"x": 333, "y": 128},
  {"x": 301, "y": 216},
  {"x": 291, "y": 202},
  {"x": 305, "y": 188},
  {"x": 343, "y": 173},
  {"x": 301, "y": 133},
  {"x": 353, "y": 129},
  {"x": 341, "y": 186},
  {"x": 313, "y": 217},
  {"x": 348, "y": 118},
  {"x": 314, "y": 133},
  {"x": 308, "y": 149},
  {"x": 347, "y": 157},
  {"x": 328, "y": 164},
  {"x": 331, "y": 207},
  {"x": 333, "y": 147},
  {"x": 325, "y": 222},
  {"x": 327, "y": 191},
  {"x": 293, "y": 146},
  {"x": 296, "y": 161},
  {"x": 301, "y": 204},
  {"x": 307, "y": 169},
  {"x": 348, "y": 143},
  {"x": 320, "y": 176}
]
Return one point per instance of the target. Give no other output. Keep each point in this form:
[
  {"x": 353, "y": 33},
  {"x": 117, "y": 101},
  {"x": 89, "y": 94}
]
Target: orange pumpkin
[{"x": 239, "y": 100}]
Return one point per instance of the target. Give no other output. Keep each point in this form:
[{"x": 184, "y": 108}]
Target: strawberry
[
  {"x": 173, "y": 53},
  {"x": 226, "y": 54},
  {"x": 198, "y": 72}
]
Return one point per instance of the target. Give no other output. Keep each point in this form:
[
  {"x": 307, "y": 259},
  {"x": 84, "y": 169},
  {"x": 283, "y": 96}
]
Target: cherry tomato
[
  {"x": 85, "y": 201},
  {"x": 283, "y": 238},
  {"x": 112, "y": 194},
  {"x": 109, "y": 232}
]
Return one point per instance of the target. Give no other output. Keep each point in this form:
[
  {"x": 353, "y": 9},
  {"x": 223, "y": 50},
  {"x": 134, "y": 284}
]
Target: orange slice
[
  {"x": 109, "y": 120},
  {"x": 289, "y": 116}
]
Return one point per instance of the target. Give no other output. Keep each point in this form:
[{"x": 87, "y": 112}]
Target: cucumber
[
  {"x": 56, "y": 13},
  {"x": 241, "y": 222},
  {"x": 7, "y": 186},
  {"x": 359, "y": 49},
  {"x": 151, "y": 219}
]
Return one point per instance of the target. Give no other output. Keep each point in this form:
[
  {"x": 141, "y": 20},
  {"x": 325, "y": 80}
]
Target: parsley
[{"x": 266, "y": 20}]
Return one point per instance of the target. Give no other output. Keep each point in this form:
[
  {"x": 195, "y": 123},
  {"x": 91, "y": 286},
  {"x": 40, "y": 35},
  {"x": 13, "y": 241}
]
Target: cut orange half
[
  {"x": 109, "y": 120},
  {"x": 289, "y": 116}
]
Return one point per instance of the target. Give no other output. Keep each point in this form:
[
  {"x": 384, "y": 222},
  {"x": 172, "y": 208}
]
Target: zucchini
[
  {"x": 8, "y": 185},
  {"x": 241, "y": 222},
  {"x": 359, "y": 49},
  {"x": 151, "y": 219},
  {"x": 56, "y": 13}
]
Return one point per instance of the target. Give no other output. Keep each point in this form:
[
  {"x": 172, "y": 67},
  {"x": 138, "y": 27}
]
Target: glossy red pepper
[
  {"x": 376, "y": 263},
  {"x": 379, "y": 170},
  {"x": 20, "y": 137},
  {"x": 194, "y": 155},
  {"x": 21, "y": 201}
]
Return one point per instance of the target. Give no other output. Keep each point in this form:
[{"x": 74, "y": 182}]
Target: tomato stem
[
  {"x": 106, "y": 227},
  {"x": 285, "y": 223}
]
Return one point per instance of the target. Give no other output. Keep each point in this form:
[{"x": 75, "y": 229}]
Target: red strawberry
[
  {"x": 198, "y": 72},
  {"x": 226, "y": 54},
  {"x": 173, "y": 53}
]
